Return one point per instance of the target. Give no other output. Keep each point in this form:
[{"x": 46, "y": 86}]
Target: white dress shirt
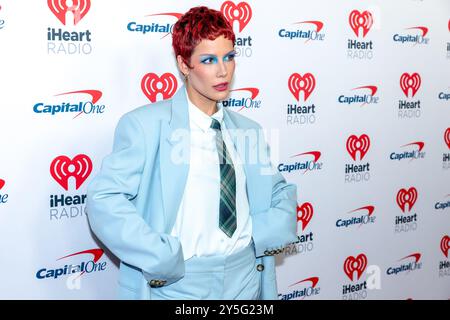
[{"x": 197, "y": 223}]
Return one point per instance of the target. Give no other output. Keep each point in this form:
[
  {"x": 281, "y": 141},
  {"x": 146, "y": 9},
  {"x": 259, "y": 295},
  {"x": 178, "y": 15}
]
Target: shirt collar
[{"x": 201, "y": 119}]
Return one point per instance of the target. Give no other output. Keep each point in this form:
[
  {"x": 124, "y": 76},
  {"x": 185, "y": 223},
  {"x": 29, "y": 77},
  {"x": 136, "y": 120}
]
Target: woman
[{"x": 181, "y": 200}]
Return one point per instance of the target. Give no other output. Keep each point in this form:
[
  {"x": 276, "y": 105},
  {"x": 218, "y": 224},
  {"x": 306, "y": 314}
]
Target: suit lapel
[
  {"x": 248, "y": 153},
  {"x": 174, "y": 156}
]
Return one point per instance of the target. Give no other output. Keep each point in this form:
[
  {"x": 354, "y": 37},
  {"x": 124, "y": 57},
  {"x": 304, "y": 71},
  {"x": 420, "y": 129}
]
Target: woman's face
[{"x": 212, "y": 63}]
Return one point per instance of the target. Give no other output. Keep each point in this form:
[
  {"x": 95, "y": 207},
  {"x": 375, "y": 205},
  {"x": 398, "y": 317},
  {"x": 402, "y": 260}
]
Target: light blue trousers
[{"x": 232, "y": 277}]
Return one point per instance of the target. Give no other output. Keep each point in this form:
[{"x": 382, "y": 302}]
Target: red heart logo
[
  {"x": 447, "y": 137},
  {"x": 360, "y": 144},
  {"x": 2, "y": 183},
  {"x": 62, "y": 168},
  {"x": 79, "y": 9},
  {"x": 152, "y": 84},
  {"x": 241, "y": 13},
  {"x": 445, "y": 244},
  {"x": 406, "y": 197},
  {"x": 353, "y": 264},
  {"x": 297, "y": 83},
  {"x": 412, "y": 82},
  {"x": 362, "y": 20},
  {"x": 304, "y": 214}
]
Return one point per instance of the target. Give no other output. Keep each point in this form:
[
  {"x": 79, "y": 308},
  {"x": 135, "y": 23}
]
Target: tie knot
[{"x": 215, "y": 124}]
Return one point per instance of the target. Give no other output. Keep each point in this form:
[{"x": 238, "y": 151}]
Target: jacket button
[
  {"x": 260, "y": 267},
  {"x": 155, "y": 283}
]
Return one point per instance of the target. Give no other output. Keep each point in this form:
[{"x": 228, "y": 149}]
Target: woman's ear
[{"x": 184, "y": 69}]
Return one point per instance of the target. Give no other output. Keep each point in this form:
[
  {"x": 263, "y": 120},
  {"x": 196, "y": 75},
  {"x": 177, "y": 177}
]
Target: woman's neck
[{"x": 205, "y": 104}]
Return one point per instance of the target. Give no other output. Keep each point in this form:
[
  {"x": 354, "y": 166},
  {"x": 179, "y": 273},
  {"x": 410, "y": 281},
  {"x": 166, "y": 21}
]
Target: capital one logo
[
  {"x": 86, "y": 107},
  {"x": 353, "y": 264},
  {"x": 309, "y": 165},
  {"x": 406, "y": 197},
  {"x": 241, "y": 12},
  {"x": 96, "y": 253},
  {"x": 359, "y": 20},
  {"x": 62, "y": 168},
  {"x": 447, "y": 137},
  {"x": 253, "y": 91},
  {"x": 79, "y": 8},
  {"x": 359, "y": 144},
  {"x": 419, "y": 144},
  {"x": 244, "y": 103},
  {"x": 313, "y": 280},
  {"x": 95, "y": 94},
  {"x": 416, "y": 257},
  {"x": 373, "y": 89},
  {"x": 318, "y": 24},
  {"x": 152, "y": 84},
  {"x": 424, "y": 30},
  {"x": 2, "y": 22},
  {"x": 445, "y": 244},
  {"x": 77, "y": 269},
  {"x": 3, "y": 197},
  {"x": 304, "y": 214},
  {"x": 311, "y": 36},
  {"x": 305, "y": 83},
  {"x": 408, "y": 82}
]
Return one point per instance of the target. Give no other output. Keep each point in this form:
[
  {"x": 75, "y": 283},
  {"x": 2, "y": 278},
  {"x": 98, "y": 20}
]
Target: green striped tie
[{"x": 227, "y": 208}]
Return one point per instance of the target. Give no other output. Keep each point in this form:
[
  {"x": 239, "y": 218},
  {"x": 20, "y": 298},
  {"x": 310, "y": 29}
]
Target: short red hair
[{"x": 197, "y": 24}]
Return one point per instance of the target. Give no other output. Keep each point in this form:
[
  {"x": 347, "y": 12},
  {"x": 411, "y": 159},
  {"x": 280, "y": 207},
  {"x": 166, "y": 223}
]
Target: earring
[{"x": 185, "y": 77}]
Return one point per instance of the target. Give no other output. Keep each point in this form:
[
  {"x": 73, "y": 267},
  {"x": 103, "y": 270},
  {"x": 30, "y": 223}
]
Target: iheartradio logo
[
  {"x": 152, "y": 84},
  {"x": 406, "y": 197},
  {"x": 79, "y": 9},
  {"x": 355, "y": 144},
  {"x": 241, "y": 12},
  {"x": 447, "y": 137},
  {"x": 412, "y": 82},
  {"x": 362, "y": 20},
  {"x": 297, "y": 83},
  {"x": 445, "y": 244},
  {"x": 304, "y": 214},
  {"x": 62, "y": 168},
  {"x": 353, "y": 264}
]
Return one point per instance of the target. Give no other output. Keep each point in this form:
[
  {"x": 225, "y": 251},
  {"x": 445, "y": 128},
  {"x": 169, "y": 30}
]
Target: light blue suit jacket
[{"x": 133, "y": 201}]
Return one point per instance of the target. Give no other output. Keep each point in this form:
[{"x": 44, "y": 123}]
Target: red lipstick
[{"x": 221, "y": 86}]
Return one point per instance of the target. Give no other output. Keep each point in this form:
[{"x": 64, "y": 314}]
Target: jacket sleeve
[
  {"x": 114, "y": 218},
  {"x": 275, "y": 228}
]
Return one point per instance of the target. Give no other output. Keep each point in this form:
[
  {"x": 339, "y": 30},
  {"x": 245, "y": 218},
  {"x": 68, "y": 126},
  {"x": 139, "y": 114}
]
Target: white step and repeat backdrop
[{"x": 354, "y": 97}]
